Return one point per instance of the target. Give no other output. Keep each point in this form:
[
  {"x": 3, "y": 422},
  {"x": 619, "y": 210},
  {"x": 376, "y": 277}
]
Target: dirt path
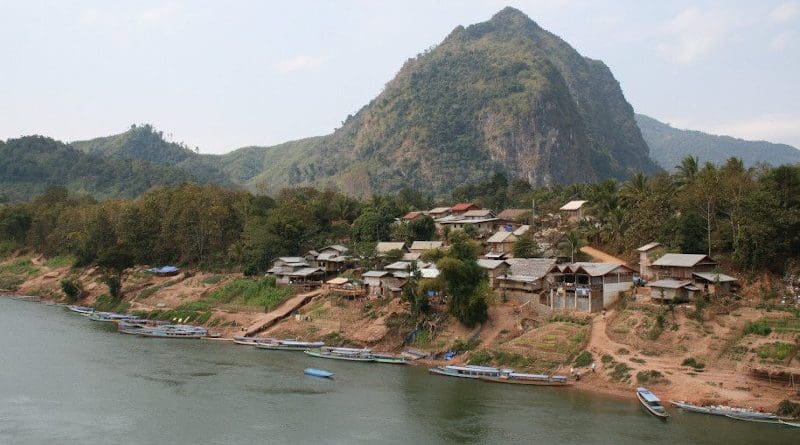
[
  {"x": 267, "y": 320},
  {"x": 599, "y": 255}
]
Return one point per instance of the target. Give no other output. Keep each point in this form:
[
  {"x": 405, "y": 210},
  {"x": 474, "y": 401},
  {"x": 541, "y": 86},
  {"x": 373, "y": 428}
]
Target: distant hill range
[
  {"x": 668, "y": 146},
  {"x": 500, "y": 96}
]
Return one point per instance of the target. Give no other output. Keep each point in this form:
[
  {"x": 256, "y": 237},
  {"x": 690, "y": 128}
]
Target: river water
[{"x": 67, "y": 380}]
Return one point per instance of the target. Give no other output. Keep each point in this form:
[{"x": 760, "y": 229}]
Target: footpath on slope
[
  {"x": 599, "y": 255},
  {"x": 284, "y": 310}
]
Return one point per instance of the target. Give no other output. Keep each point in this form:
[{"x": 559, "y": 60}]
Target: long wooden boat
[
  {"x": 111, "y": 317},
  {"x": 319, "y": 373},
  {"x": 83, "y": 310},
  {"x": 290, "y": 345},
  {"x": 389, "y": 358},
  {"x": 516, "y": 378},
  {"x": 727, "y": 411},
  {"x": 651, "y": 403},
  {"x": 350, "y": 357},
  {"x": 467, "y": 372},
  {"x": 252, "y": 341}
]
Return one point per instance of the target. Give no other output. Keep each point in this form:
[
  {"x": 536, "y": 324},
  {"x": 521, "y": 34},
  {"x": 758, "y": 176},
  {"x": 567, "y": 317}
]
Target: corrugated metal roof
[
  {"x": 386, "y": 246},
  {"x": 715, "y": 277},
  {"x": 425, "y": 245},
  {"x": 681, "y": 260},
  {"x": 521, "y": 230},
  {"x": 411, "y": 215},
  {"x": 430, "y": 272},
  {"x": 411, "y": 256},
  {"x": 374, "y": 274},
  {"x": 439, "y": 210},
  {"x": 530, "y": 267},
  {"x": 573, "y": 205},
  {"x": 648, "y": 246},
  {"x": 462, "y": 206},
  {"x": 337, "y": 247},
  {"x": 399, "y": 265},
  {"x": 478, "y": 213},
  {"x": 501, "y": 236},
  {"x": 511, "y": 214},
  {"x": 338, "y": 280},
  {"x": 670, "y": 284},
  {"x": 304, "y": 272},
  {"x": 292, "y": 259},
  {"x": 490, "y": 264},
  {"x": 600, "y": 269}
]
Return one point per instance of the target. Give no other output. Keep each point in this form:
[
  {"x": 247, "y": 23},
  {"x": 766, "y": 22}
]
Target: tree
[
  {"x": 463, "y": 277},
  {"x": 526, "y": 247}
]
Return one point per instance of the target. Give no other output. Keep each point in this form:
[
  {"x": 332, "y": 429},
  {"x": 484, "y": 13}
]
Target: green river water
[{"x": 67, "y": 380}]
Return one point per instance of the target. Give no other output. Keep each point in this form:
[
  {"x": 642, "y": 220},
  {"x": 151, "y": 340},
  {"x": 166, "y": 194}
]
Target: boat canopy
[
  {"x": 165, "y": 269},
  {"x": 648, "y": 396}
]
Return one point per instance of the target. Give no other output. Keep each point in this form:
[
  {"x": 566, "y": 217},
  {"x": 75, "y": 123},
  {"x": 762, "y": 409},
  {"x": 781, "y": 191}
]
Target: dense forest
[{"x": 750, "y": 218}]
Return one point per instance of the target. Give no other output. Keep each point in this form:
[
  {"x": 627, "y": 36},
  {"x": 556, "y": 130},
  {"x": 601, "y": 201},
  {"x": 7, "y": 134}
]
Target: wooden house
[
  {"x": 411, "y": 216},
  {"x": 586, "y": 287},
  {"x": 422, "y": 246},
  {"x": 682, "y": 266},
  {"x": 514, "y": 215},
  {"x": 384, "y": 247},
  {"x": 501, "y": 241},
  {"x": 494, "y": 269},
  {"x": 573, "y": 211},
  {"x": 438, "y": 212},
  {"x": 524, "y": 278},
  {"x": 462, "y": 207},
  {"x": 669, "y": 289},
  {"x": 646, "y": 256}
]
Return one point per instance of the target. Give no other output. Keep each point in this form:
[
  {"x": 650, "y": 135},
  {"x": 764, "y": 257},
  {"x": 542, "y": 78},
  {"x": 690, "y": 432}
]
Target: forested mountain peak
[
  {"x": 139, "y": 142},
  {"x": 498, "y": 96}
]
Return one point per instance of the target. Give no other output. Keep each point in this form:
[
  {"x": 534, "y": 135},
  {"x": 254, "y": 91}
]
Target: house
[
  {"x": 682, "y": 266},
  {"x": 515, "y": 215},
  {"x": 495, "y": 256},
  {"x": 372, "y": 281},
  {"x": 586, "y": 287},
  {"x": 462, "y": 208},
  {"x": 422, "y": 246},
  {"x": 482, "y": 226},
  {"x": 438, "y": 212},
  {"x": 672, "y": 290},
  {"x": 384, "y": 247},
  {"x": 501, "y": 242},
  {"x": 478, "y": 214},
  {"x": 399, "y": 265},
  {"x": 524, "y": 278},
  {"x": 713, "y": 283},
  {"x": 291, "y": 270},
  {"x": 410, "y": 216},
  {"x": 411, "y": 256},
  {"x": 494, "y": 269},
  {"x": 573, "y": 210},
  {"x": 332, "y": 258},
  {"x": 646, "y": 254}
]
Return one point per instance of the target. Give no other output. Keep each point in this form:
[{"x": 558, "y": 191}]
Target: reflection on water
[{"x": 67, "y": 380}]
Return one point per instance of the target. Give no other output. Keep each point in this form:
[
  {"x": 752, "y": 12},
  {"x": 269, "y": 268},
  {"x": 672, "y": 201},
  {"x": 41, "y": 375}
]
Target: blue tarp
[{"x": 165, "y": 269}]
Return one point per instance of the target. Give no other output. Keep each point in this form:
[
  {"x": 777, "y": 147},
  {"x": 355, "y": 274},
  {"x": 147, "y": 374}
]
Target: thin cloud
[
  {"x": 785, "y": 12},
  {"x": 300, "y": 63},
  {"x": 694, "y": 32},
  {"x": 160, "y": 14},
  {"x": 782, "y": 41},
  {"x": 772, "y": 128}
]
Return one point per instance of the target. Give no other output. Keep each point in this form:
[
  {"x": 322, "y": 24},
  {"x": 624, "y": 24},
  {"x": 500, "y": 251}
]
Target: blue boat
[{"x": 319, "y": 373}]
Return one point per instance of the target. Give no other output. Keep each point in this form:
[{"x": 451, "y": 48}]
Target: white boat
[
  {"x": 290, "y": 345},
  {"x": 727, "y": 411},
  {"x": 351, "y": 356},
  {"x": 252, "y": 341},
  {"x": 651, "y": 403},
  {"x": 467, "y": 372},
  {"x": 517, "y": 378},
  {"x": 83, "y": 310}
]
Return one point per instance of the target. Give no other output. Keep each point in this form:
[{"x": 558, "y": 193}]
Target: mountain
[
  {"x": 500, "y": 96},
  {"x": 668, "y": 146},
  {"x": 30, "y": 164},
  {"x": 144, "y": 143}
]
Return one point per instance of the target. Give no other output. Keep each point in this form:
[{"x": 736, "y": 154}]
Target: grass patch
[
  {"x": 737, "y": 352},
  {"x": 482, "y": 357},
  {"x": 775, "y": 352},
  {"x": 463, "y": 346},
  {"x": 693, "y": 363},
  {"x": 583, "y": 359},
  {"x": 257, "y": 293},
  {"x": 16, "y": 272},
  {"x": 107, "y": 303},
  {"x": 333, "y": 339},
  {"x": 213, "y": 279},
  {"x": 60, "y": 261},
  {"x": 651, "y": 377},
  {"x": 583, "y": 321},
  {"x": 759, "y": 327},
  {"x": 606, "y": 359},
  {"x": 620, "y": 373}
]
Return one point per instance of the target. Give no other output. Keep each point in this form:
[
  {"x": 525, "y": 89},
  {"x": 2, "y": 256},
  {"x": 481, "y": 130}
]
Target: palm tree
[
  {"x": 635, "y": 189},
  {"x": 687, "y": 171}
]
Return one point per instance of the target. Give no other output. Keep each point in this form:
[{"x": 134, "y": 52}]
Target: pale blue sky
[{"x": 222, "y": 75}]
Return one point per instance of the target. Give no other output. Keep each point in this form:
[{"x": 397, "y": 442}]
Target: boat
[
  {"x": 467, "y": 372},
  {"x": 346, "y": 350},
  {"x": 517, "y": 378},
  {"x": 727, "y": 411},
  {"x": 111, "y": 317},
  {"x": 252, "y": 341},
  {"x": 83, "y": 310},
  {"x": 319, "y": 373},
  {"x": 170, "y": 331},
  {"x": 651, "y": 403},
  {"x": 290, "y": 345},
  {"x": 391, "y": 359},
  {"x": 787, "y": 423},
  {"x": 341, "y": 355}
]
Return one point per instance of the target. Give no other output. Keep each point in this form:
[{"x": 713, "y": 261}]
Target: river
[{"x": 67, "y": 380}]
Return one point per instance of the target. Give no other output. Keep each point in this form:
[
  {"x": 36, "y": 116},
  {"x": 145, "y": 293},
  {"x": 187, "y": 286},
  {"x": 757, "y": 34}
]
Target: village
[{"x": 552, "y": 280}]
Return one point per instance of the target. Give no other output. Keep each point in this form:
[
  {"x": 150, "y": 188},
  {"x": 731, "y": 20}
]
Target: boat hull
[
  {"x": 660, "y": 414},
  {"x": 346, "y": 358},
  {"x": 525, "y": 382},
  {"x": 319, "y": 373}
]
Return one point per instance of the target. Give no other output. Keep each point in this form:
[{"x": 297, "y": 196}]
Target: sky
[{"x": 223, "y": 75}]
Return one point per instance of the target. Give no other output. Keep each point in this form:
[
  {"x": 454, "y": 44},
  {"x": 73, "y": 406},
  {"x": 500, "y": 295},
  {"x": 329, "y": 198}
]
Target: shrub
[
  {"x": 620, "y": 372},
  {"x": 693, "y": 363},
  {"x": 72, "y": 289},
  {"x": 759, "y": 327},
  {"x": 482, "y": 357},
  {"x": 606, "y": 359},
  {"x": 787, "y": 408},
  {"x": 777, "y": 351},
  {"x": 464, "y": 346},
  {"x": 584, "y": 359},
  {"x": 649, "y": 377}
]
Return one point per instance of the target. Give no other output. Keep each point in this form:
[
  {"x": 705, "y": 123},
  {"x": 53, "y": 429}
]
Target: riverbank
[{"x": 674, "y": 353}]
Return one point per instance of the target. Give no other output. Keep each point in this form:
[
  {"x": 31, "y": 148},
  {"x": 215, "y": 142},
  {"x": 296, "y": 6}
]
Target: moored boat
[
  {"x": 391, "y": 359},
  {"x": 467, "y": 372},
  {"x": 351, "y": 356},
  {"x": 252, "y": 341},
  {"x": 788, "y": 423},
  {"x": 111, "y": 317},
  {"x": 517, "y": 378},
  {"x": 290, "y": 345},
  {"x": 83, "y": 310},
  {"x": 319, "y": 373},
  {"x": 651, "y": 403},
  {"x": 727, "y": 411}
]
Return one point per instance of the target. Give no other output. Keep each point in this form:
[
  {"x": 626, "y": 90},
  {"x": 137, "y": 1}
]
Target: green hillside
[
  {"x": 30, "y": 164},
  {"x": 500, "y": 96},
  {"x": 669, "y": 145}
]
